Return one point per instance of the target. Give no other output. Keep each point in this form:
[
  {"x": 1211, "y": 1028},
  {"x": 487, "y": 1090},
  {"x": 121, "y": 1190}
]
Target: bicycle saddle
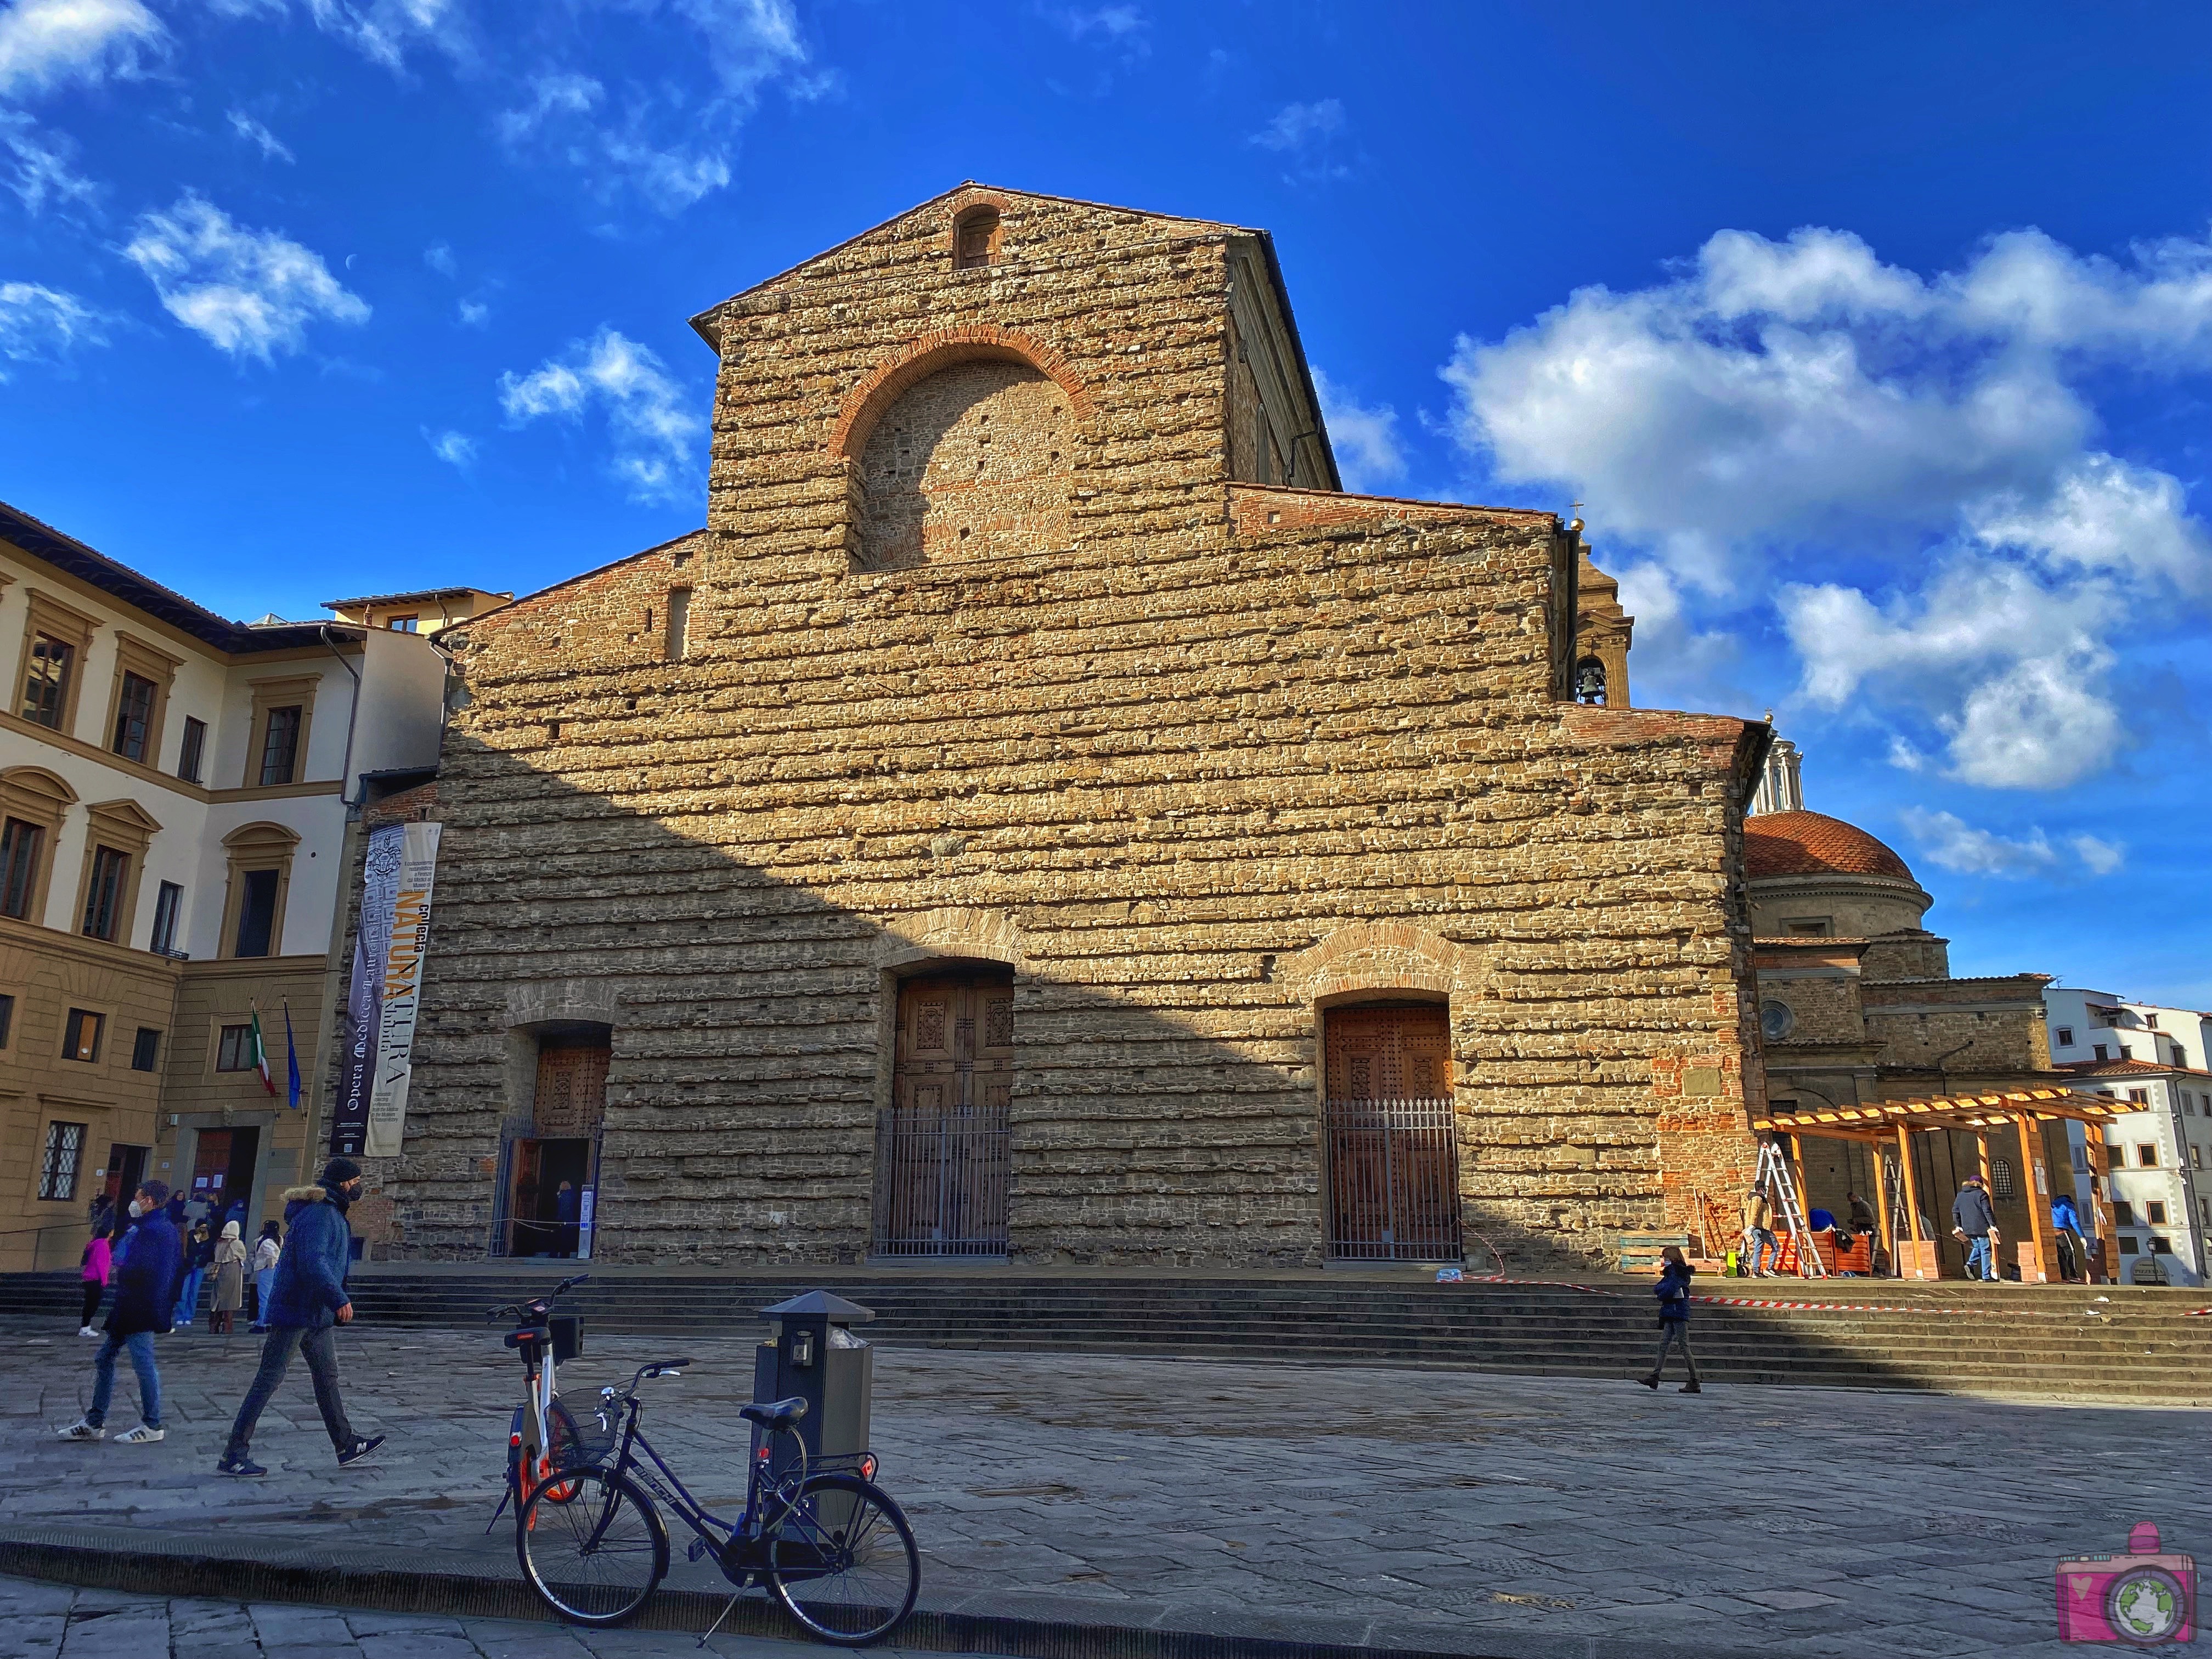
[{"x": 774, "y": 1414}]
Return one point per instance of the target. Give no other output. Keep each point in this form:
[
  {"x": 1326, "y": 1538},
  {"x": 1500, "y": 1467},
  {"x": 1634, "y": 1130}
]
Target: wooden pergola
[{"x": 1882, "y": 1123}]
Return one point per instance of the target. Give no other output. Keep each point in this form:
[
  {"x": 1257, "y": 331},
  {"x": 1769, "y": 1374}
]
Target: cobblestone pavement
[
  {"x": 54, "y": 1621},
  {"x": 1281, "y": 1498}
]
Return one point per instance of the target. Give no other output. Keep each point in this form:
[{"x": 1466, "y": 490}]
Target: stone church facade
[{"x": 1040, "y": 817}]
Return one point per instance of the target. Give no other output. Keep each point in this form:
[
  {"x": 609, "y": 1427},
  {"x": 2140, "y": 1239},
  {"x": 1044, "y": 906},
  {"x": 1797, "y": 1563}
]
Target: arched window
[
  {"x": 1589, "y": 681},
  {"x": 975, "y": 238},
  {"x": 2001, "y": 1177}
]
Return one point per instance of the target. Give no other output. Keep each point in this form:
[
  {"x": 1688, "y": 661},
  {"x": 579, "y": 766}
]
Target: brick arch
[
  {"x": 1372, "y": 956},
  {"x": 920, "y": 358},
  {"x": 951, "y": 933}
]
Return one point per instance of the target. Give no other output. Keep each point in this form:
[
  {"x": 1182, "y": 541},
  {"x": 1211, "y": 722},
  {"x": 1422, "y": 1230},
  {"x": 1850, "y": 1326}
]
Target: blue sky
[{"x": 1877, "y": 339}]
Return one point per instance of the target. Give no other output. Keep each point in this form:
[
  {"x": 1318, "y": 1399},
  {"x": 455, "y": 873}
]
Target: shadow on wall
[{"x": 775, "y": 1026}]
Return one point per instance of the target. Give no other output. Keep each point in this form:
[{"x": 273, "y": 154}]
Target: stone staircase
[{"x": 2140, "y": 1345}]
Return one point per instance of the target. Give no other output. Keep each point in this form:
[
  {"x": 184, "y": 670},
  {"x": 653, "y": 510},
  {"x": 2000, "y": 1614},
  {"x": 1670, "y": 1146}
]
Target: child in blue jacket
[{"x": 1673, "y": 1291}]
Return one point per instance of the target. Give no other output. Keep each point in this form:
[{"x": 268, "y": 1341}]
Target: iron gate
[
  {"x": 1393, "y": 1181},
  {"x": 941, "y": 1180}
]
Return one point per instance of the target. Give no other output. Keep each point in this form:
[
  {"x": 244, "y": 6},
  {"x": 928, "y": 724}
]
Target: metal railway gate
[
  {"x": 943, "y": 1148},
  {"x": 1389, "y": 1139}
]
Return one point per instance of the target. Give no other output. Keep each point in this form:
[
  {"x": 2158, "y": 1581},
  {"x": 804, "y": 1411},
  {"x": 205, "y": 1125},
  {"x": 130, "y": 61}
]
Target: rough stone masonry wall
[{"x": 1230, "y": 754}]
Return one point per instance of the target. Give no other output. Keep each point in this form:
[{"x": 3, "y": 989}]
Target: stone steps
[{"x": 2033, "y": 1340}]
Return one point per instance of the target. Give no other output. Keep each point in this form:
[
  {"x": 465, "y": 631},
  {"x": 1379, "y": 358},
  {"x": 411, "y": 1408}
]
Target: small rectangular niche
[{"x": 679, "y": 622}]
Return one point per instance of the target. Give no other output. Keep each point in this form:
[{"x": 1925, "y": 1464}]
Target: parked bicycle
[
  {"x": 542, "y": 1429},
  {"x": 829, "y": 1543}
]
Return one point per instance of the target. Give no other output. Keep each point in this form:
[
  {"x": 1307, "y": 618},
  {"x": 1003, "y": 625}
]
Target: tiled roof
[
  {"x": 1814, "y": 844},
  {"x": 2127, "y": 1069}
]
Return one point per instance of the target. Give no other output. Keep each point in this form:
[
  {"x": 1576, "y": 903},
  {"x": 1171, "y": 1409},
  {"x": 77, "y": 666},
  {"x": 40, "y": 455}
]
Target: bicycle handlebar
[{"x": 538, "y": 1307}]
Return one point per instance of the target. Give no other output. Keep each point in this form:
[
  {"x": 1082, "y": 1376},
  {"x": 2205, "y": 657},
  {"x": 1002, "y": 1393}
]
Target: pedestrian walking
[
  {"x": 1974, "y": 1224},
  {"x": 98, "y": 1262},
  {"x": 230, "y": 1282},
  {"x": 1759, "y": 1241},
  {"x": 145, "y": 1292},
  {"x": 198, "y": 1257},
  {"x": 1673, "y": 1291},
  {"x": 2066, "y": 1222},
  {"x": 308, "y": 1300},
  {"x": 266, "y": 1248}
]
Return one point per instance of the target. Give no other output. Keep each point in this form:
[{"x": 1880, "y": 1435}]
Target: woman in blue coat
[{"x": 1673, "y": 1291}]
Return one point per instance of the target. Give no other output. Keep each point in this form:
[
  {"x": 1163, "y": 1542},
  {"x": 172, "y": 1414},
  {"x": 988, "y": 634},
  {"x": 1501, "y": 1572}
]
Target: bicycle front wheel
[
  {"x": 592, "y": 1545},
  {"x": 842, "y": 1560}
]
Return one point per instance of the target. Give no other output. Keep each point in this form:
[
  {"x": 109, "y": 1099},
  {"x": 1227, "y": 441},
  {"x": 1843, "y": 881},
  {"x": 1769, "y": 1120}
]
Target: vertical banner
[
  {"x": 400, "y": 988},
  {"x": 379, "y": 886}
]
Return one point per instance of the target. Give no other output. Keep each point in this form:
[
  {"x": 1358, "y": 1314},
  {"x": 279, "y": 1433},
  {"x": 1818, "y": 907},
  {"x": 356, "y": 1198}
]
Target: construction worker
[{"x": 1759, "y": 1242}]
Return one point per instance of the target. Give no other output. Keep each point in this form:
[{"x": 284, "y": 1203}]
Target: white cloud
[
  {"x": 383, "y": 30},
  {"x": 1365, "y": 439},
  {"x": 47, "y": 43},
  {"x": 1307, "y": 135},
  {"x": 44, "y": 172},
  {"x": 1924, "y": 444},
  {"x": 1121, "y": 27},
  {"x": 43, "y": 324},
  {"x": 440, "y": 257},
  {"x": 473, "y": 313},
  {"x": 272, "y": 148},
  {"x": 454, "y": 448},
  {"x": 1949, "y": 840},
  {"x": 252, "y": 293},
  {"x": 654, "y": 435}
]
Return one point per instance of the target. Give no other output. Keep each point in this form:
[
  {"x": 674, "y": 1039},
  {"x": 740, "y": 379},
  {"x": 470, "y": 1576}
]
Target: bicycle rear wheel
[
  {"x": 843, "y": 1561},
  {"x": 593, "y": 1547}
]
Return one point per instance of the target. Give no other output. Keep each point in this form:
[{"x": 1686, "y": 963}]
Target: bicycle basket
[{"x": 586, "y": 1453}]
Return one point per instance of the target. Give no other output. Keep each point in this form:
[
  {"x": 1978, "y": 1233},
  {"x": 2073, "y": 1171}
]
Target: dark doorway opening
[
  {"x": 126, "y": 1172},
  {"x": 542, "y": 1219},
  {"x": 223, "y": 1171},
  {"x": 943, "y": 1147},
  {"x": 1389, "y": 1136}
]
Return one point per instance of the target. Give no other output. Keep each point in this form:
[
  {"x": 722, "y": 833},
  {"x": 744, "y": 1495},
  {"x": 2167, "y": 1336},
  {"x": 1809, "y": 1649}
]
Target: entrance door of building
[
  {"x": 1389, "y": 1137},
  {"x": 222, "y": 1168},
  {"x": 942, "y": 1148},
  {"x": 126, "y": 1172},
  {"x": 542, "y": 1220}
]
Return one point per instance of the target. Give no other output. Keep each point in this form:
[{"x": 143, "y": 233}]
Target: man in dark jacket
[
  {"x": 306, "y": 1300},
  {"x": 145, "y": 1288},
  {"x": 1974, "y": 1222}
]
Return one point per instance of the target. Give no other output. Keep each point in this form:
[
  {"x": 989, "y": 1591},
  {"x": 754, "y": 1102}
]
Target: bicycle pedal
[{"x": 697, "y": 1551}]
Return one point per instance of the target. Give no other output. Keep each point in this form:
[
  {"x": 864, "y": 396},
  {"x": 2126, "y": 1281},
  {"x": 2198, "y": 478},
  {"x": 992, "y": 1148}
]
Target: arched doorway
[
  {"x": 548, "y": 1194},
  {"x": 1390, "y": 1140},
  {"x": 942, "y": 1146}
]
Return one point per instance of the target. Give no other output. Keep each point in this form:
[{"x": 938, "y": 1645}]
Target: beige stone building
[
  {"x": 1040, "y": 816},
  {"x": 1858, "y": 1003},
  {"x": 174, "y": 832}
]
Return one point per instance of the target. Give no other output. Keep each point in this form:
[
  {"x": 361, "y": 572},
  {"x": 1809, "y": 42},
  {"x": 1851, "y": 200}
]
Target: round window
[{"x": 1776, "y": 1022}]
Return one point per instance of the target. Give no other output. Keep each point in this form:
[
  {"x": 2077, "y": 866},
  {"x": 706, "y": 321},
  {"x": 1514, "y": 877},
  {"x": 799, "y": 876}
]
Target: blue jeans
[
  {"x": 140, "y": 1347},
  {"x": 188, "y": 1298},
  {"x": 1981, "y": 1260},
  {"x": 1760, "y": 1246},
  {"x": 263, "y": 1281}
]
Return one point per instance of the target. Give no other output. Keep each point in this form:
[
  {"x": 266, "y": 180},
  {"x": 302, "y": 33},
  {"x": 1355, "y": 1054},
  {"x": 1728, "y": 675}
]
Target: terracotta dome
[{"x": 1814, "y": 844}]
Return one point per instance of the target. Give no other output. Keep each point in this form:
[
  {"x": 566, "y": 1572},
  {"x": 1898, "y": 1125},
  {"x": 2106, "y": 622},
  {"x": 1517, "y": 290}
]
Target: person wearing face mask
[
  {"x": 307, "y": 1300},
  {"x": 145, "y": 1280}
]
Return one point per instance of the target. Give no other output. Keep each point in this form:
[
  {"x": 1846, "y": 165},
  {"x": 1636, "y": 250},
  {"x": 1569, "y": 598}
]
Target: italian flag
[{"x": 261, "y": 1056}]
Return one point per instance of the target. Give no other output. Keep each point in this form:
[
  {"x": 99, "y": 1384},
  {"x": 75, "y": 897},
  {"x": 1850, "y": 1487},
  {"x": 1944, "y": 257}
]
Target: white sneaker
[
  {"x": 141, "y": 1436},
  {"x": 81, "y": 1430},
  {"x": 86, "y": 1330}
]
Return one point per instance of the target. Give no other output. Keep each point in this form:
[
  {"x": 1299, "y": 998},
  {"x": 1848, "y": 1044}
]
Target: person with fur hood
[{"x": 308, "y": 1300}]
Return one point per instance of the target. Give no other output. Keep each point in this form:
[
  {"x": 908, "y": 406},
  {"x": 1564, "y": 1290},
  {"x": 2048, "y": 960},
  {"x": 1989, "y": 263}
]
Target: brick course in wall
[{"x": 1198, "y": 758}]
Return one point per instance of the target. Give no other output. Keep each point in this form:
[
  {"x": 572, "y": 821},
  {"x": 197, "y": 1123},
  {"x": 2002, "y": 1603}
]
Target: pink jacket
[{"x": 98, "y": 1255}]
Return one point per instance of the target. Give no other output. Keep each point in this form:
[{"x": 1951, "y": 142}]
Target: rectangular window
[
  {"x": 2124, "y": 1213},
  {"x": 2102, "y": 1052},
  {"x": 2146, "y": 1155},
  {"x": 168, "y": 903},
  {"x": 2195, "y": 1157},
  {"x": 2188, "y": 1103},
  {"x": 46, "y": 685},
  {"x": 19, "y": 865},
  {"x": 2151, "y": 1020},
  {"x": 146, "y": 1049},
  {"x": 280, "y": 746},
  {"x": 2160, "y": 1247},
  {"x": 403, "y": 625},
  {"x": 2066, "y": 1036},
  {"x": 2154, "y": 1213},
  {"x": 57, "y": 1174},
  {"x": 134, "y": 717},
  {"x": 2141, "y": 1096},
  {"x": 2127, "y": 1247},
  {"x": 233, "y": 1050},
  {"x": 80, "y": 1034},
  {"x": 7, "y": 1017},
  {"x": 103, "y": 893},
  {"x": 679, "y": 622},
  {"x": 257, "y": 914},
  {"x": 193, "y": 750}
]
